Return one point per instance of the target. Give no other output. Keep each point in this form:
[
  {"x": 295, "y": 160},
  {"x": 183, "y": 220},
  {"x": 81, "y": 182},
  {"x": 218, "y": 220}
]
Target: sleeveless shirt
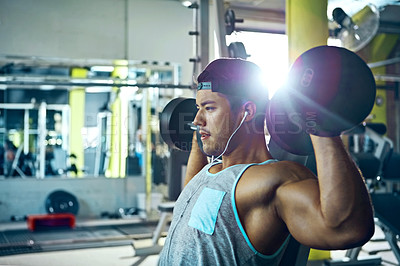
[{"x": 206, "y": 229}]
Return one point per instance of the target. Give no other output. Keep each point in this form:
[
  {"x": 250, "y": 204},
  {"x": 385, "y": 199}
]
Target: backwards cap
[{"x": 233, "y": 76}]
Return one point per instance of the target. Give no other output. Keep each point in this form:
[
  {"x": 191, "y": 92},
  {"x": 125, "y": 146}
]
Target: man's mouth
[{"x": 204, "y": 135}]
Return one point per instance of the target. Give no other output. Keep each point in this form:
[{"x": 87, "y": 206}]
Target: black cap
[{"x": 234, "y": 76}]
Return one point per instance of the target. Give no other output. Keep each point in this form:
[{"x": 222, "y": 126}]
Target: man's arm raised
[
  {"x": 333, "y": 211},
  {"x": 197, "y": 160}
]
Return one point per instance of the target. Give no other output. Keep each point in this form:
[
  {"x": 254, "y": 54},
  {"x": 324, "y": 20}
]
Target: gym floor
[{"x": 124, "y": 255}]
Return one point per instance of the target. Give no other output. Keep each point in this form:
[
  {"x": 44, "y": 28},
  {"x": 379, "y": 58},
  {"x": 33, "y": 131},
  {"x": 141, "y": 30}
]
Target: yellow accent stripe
[
  {"x": 119, "y": 130},
  {"x": 77, "y": 114},
  {"x": 379, "y": 49},
  {"x": 306, "y": 25}
]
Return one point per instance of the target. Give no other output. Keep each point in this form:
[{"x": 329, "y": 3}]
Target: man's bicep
[{"x": 298, "y": 204}]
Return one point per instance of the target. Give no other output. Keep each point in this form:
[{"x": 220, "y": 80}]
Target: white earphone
[{"x": 226, "y": 146}]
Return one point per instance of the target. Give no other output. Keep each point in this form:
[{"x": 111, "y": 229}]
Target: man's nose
[{"x": 198, "y": 119}]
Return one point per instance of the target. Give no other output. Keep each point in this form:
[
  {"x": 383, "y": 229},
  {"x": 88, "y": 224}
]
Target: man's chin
[
  {"x": 211, "y": 152},
  {"x": 207, "y": 151}
]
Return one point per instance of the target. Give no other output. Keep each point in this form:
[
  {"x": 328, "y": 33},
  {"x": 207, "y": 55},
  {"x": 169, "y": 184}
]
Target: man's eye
[{"x": 209, "y": 108}]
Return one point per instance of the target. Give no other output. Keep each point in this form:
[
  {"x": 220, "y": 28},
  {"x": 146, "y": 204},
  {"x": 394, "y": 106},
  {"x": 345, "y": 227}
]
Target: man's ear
[{"x": 251, "y": 109}]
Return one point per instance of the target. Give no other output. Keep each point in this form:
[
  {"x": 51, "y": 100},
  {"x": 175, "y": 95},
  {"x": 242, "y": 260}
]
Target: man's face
[{"x": 215, "y": 119}]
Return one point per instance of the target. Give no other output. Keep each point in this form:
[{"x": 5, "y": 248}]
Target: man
[{"x": 243, "y": 209}]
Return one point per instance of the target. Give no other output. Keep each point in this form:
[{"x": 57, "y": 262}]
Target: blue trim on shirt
[
  {"x": 212, "y": 164},
  {"x": 235, "y": 211}
]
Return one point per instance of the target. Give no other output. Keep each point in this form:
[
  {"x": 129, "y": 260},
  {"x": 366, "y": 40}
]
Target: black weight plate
[
  {"x": 230, "y": 20},
  {"x": 285, "y": 127},
  {"x": 335, "y": 85},
  {"x": 61, "y": 201},
  {"x": 174, "y": 120},
  {"x": 329, "y": 90}
]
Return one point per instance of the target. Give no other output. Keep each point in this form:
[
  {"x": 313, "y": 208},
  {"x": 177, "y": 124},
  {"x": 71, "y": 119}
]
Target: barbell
[{"x": 329, "y": 90}]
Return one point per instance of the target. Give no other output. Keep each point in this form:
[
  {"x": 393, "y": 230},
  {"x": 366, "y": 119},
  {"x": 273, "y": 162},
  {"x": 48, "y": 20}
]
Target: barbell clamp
[{"x": 193, "y": 126}]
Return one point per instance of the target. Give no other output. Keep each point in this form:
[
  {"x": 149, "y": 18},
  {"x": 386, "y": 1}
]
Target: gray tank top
[{"x": 206, "y": 229}]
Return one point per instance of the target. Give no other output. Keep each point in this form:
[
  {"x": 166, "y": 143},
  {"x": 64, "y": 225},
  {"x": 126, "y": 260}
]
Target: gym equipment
[
  {"x": 61, "y": 201},
  {"x": 285, "y": 129},
  {"x": 357, "y": 31},
  {"x": 50, "y": 221},
  {"x": 370, "y": 149},
  {"x": 230, "y": 21},
  {"x": 166, "y": 209},
  {"x": 352, "y": 259},
  {"x": 329, "y": 90},
  {"x": 237, "y": 50},
  {"x": 14, "y": 166},
  {"x": 106, "y": 234},
  {"x": 388, "y": 220},
  {"x": 176, "y": 126}
]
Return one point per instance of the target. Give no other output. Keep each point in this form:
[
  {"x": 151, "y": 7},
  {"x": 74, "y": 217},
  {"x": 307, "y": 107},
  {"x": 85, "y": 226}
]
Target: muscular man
[{"x": 243, "y": 209}]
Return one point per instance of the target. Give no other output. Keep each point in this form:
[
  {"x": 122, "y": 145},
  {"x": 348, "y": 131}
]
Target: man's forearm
[
  {"x": 197, "y": 160},
  {"x": 343, "y": 194}
]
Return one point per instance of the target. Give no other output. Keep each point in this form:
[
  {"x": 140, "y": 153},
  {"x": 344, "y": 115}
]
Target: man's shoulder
[
  {"x": 260, "y": 183},
  {"x": 277, "y": 173}
]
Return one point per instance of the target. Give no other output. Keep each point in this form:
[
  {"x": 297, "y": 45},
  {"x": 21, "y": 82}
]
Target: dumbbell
[
  {"x": 176, "y": 127},
  {"x": 329, "y": 90}
]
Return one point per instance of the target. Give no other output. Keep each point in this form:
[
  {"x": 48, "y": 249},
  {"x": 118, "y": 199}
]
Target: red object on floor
[{"x": 50, "y": 221}]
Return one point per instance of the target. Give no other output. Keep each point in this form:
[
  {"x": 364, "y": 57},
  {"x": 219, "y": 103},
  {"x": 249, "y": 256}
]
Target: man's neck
[{"x": 253, "y": 149}]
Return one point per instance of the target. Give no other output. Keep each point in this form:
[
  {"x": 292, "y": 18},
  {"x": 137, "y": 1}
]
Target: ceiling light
[
  {"x": 102, "y": 68},
  {"x": 186, "y": 3}
]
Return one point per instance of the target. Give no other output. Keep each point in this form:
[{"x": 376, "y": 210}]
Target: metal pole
[
  {"x": 196, "y": 55},
  {"x": 220, "y": 10},
  {"x": 26, "y": 131},
  {"x": 91, "y": 83},
  {"x": 146, "y": 129},
  {"x": 397, "y": 118},
  {"x": 65, "y": 128},
  {"x": 41, "y": 139},
  {"x": 126, "y": 30},
  {"x": 384, "y": 62},
  {"x": 149, "y": 149},
  {"x": 204, "y": 33},
  {"x": 107, "y": 149},
  {"x": 99, "y": 147}
]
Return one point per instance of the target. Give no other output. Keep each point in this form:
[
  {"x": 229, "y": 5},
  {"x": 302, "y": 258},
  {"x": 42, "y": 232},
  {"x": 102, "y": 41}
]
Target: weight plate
[
  {"x": 329, "y": 90},
  {"x": 334, "y": 86},
  {"x": 174, "y": 120},
  {"x": 285, "y": 128},
  {"x": 61, "y": 201}
]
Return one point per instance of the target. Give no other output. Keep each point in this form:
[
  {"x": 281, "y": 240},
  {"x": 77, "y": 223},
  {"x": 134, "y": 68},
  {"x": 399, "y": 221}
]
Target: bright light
[
  {"x": 47, "y": 87},
  {"x": 269, "y": 52},
  {"x": 98, "y": 89},
  {"x": 186, "y": 3},
  {"x": 102, "y": 68},
  {"x": 334, "y": 42}
]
